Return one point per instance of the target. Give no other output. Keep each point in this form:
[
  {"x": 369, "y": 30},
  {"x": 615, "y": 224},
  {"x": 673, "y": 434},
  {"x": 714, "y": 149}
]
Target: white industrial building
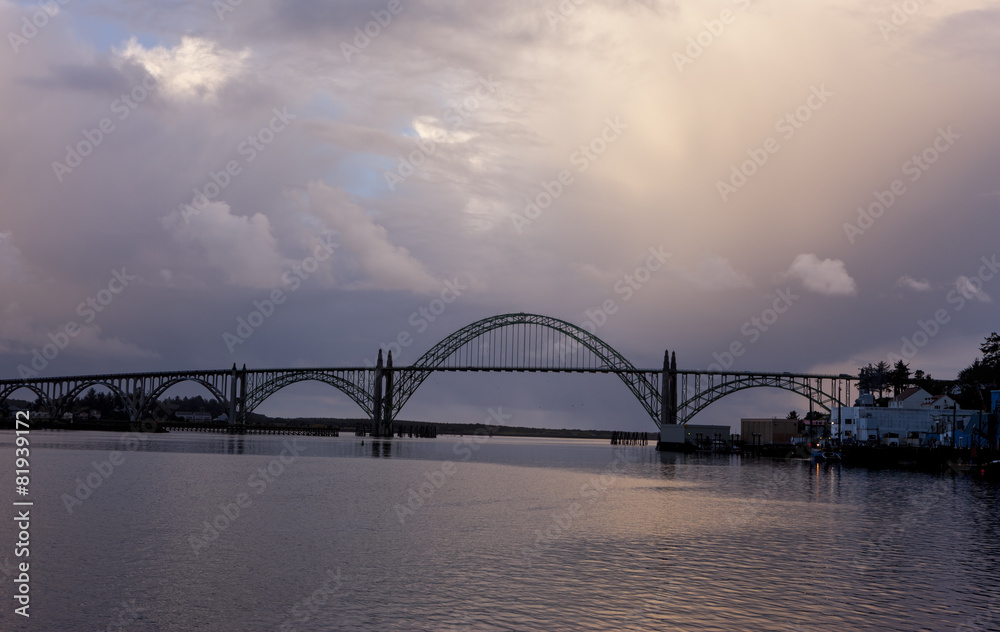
[{"x": 914, "y": 417}]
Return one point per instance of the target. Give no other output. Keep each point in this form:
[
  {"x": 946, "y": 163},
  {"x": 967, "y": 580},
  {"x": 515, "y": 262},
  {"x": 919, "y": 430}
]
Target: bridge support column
[
  {"x": 673, "y": 388},
  {"x": 665, "y": 395},
  {"x": 377, "y": 398},
  {"x": 237, "y": 396},
  {"x": 671, "y": 436},
  {"x": 385, "y": 430},
  {"x": 241, "y": 403},
  {"x": 232, "y": 396},
  {"x": 668, "y": 389}
]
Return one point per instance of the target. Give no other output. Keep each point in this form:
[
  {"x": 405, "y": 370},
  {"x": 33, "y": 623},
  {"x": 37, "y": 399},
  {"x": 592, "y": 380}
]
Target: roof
[{"x": 906, "y": 394}]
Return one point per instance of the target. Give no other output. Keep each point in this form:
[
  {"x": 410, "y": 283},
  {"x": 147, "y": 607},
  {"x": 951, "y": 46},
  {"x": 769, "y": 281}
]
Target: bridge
[{"x": 524, "y": 343}]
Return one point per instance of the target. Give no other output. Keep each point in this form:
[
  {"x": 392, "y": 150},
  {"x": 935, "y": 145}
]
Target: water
[{"x": 510, "y": 534}]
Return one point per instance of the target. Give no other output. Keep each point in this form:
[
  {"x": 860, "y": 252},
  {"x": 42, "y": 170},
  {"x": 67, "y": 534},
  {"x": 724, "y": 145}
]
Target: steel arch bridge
[
  {"x": 516, "y": 342},
  {"x": 527, "y": 343}
]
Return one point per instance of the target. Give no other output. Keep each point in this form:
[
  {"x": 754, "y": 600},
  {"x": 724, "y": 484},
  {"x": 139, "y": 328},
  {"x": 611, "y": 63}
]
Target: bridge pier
[
  {"x": 237, "y": 408},
  {"x": 668, "y": 389},
  {"x": 382, "y": 397},
  {"x": 386, "y": 429}
]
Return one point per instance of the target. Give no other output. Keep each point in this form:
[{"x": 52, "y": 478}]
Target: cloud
[
  {"x": 90, "y": 342},
  {"x": 715, "y": 272},
  {"x": 243, "y": 248},
  {"x": 828, "y": 276},
  {"x": 908, "y": 282},
  {"x": 384, "y": 266},
  {"x": 11, "y": 261},
  {"x": 972, "y": 289},
  {"x": 194, "y": 68}
]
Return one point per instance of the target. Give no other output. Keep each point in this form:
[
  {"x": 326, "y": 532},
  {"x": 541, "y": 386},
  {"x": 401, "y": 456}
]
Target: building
[
  {"x": 911, "y": 398},
  {"x": 913, "y": 418},
  {"x": 916, "y": 398},
  {"x": 769, "y": 431}
]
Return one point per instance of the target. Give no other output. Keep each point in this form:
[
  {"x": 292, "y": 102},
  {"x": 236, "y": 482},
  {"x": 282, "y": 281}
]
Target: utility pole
[
  {"x": 954, "y": 428},
  {"x": 840, "y": 418}
]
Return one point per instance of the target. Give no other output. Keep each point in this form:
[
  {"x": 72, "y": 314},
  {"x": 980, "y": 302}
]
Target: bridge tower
[
  {"x": 238, "y": 395},
  {"x": 668, "y": 389},
  {"x": 673, "y": 388},
  {"x": 382, "y": 397},
  {"x": 377, "y": 398},
  {"x": 385, "y": 429}
]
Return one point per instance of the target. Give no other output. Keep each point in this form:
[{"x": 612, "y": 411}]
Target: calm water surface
[{"x": 207, "y": 532}]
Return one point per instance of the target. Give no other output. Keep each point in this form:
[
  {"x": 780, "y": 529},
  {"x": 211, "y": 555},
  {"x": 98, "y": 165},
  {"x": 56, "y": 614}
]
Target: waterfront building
[
  {"x": 769, "y": 431},
  {"x": 913, "y": 418}
]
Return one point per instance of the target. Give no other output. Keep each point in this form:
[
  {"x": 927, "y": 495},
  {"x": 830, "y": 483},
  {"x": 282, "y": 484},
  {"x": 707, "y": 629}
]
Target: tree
[
  {"x": 974, "y": 380},
  {"x": 881, "y": 377},
  {"x": 991, "y": 350},
  {"x": 977, "y": 379},
  {"x": 866, "y": 378},
  {"x": 899, "y": 377},
  {"x": 792, "y": 415}
]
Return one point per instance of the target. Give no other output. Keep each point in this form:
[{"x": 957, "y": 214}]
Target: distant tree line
[{"x": 973, "y": 384}]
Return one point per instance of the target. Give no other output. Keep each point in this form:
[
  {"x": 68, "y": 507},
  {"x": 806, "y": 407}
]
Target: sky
[{"x": 813, "y": 185}]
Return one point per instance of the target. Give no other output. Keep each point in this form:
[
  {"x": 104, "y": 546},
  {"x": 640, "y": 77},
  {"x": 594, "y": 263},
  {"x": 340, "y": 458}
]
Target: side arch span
[
  {"x": 161, "y": 388},
  {"x": 521, "y": 348},
  {"x": 9, "y": 390},
  {"x": 805, "y": 387},
  {"x": 357, "y": 392}
]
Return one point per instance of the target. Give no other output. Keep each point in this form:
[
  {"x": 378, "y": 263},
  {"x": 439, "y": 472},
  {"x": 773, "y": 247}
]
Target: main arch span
[{"x": 527, "y": 343}]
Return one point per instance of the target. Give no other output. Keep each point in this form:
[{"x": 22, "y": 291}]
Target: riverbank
[{"x": 324, "y": 426}]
